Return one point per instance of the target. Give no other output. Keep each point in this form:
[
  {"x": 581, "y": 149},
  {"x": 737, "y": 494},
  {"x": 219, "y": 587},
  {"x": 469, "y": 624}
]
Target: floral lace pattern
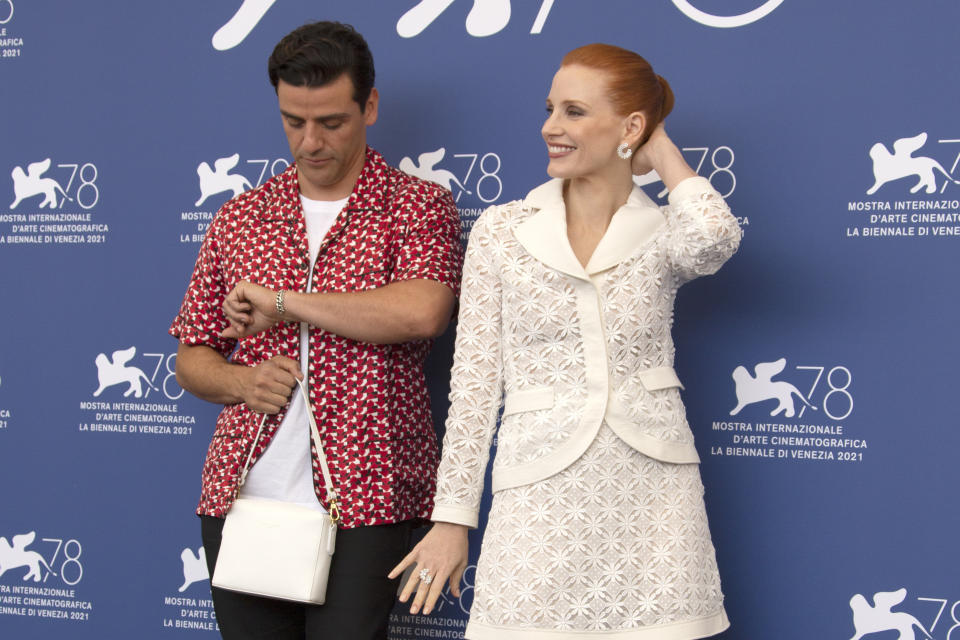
[
  {"x": 616, "y": 541},
  {"x": 610, "y": 539}
]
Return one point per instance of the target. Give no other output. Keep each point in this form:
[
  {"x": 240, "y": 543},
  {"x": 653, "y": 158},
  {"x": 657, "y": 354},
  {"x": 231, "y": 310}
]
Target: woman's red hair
[{"x": 632, "y": 85}]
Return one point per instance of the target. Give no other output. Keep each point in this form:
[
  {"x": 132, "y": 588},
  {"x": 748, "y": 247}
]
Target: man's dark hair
[{"x": 316, "y": 54}]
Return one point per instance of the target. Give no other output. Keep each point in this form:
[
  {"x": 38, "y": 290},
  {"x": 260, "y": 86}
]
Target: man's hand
[
  {"x": 266, "y": 388},
  {"x": 250, "y": 309},
  {"x": 397, "y": 312}
]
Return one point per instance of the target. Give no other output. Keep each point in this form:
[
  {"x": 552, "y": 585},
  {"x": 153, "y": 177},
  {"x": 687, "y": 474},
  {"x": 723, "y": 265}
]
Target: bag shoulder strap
[{"x": 317, "y": 442}]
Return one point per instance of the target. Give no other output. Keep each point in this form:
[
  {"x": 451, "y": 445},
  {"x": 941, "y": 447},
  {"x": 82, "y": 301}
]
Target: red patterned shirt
[{"x": 370, "y": 400}]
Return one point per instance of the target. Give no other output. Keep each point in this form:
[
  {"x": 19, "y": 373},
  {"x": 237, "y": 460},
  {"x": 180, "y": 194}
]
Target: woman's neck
[
  {"x": 590, "y": 205},
  {"x": 592, "y": 200}
]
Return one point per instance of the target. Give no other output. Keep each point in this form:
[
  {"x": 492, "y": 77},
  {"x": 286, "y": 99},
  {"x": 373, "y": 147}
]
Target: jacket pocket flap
[
  {"x": 659, "y": 378},
  {"x": 528, "y": 400}
]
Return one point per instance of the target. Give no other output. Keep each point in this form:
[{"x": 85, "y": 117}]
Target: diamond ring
[{"x": 425, "y": 576}]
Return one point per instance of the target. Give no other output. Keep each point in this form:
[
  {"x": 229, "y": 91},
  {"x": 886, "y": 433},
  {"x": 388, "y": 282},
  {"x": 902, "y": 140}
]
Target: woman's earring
[{"x": 624, "y": 151}]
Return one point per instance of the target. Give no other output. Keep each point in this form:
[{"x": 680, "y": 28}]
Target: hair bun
[
  {"x": 667, "y": 106},
  {"x": 631, "y": 83}
]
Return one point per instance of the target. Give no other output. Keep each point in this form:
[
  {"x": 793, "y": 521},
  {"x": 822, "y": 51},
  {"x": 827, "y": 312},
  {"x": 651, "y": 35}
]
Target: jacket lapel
[{"x": 544, "y": 234}]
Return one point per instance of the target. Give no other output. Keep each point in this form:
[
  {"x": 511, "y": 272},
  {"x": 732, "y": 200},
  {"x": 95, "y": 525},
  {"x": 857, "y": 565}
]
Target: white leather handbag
[{"x": 279, "y": 549}]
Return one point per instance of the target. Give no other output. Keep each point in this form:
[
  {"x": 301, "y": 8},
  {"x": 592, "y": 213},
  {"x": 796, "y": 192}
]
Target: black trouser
[{"x": 359, "y": 595}]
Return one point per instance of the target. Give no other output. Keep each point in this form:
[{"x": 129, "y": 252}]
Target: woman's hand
[
  {"x": 250, "y": 309},
  {"x": 660, "y": 153},
  {"x": 440, "y": 557}
]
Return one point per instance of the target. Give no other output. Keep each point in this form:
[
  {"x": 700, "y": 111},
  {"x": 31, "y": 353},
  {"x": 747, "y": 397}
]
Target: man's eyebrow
[{"x": 322, "y": 119}]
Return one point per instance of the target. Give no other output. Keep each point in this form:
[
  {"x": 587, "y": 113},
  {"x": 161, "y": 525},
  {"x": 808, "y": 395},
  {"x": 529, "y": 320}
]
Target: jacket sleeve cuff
[
  {"x": 455, "y": 515},
  {"x": 689, "y": 188}
]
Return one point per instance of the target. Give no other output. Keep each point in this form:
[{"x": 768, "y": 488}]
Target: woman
[{"x": 597, "y": 523}]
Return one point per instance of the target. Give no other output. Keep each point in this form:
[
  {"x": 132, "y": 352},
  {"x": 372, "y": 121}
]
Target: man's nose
[{"x": 312, "y": 138}]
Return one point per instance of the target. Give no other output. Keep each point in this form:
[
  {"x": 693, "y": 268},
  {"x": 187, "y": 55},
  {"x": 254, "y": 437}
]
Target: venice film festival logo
[
  {"x": 892, "y": 167},
  {"x": 880, "y": 618},
  {"x": 116, "y": 370},
  {"x": 760, "y": 388},
  {"x": 50, "y": 557},
  {"x": 485, "y": 18},
  {"x": 223, "y": 177},
  {"x": 799, "y": 408},
  {"x": 479, "y": 173},
  {"x": 77, "y": 179},
  {"x": 6, "y": 11}
]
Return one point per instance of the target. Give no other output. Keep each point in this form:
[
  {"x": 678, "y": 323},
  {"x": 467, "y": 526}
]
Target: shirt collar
[{"x": 544, "y": 234}]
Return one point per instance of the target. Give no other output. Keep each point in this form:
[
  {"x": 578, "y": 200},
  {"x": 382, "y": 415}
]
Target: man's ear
[{"x": 370, "y": 110}]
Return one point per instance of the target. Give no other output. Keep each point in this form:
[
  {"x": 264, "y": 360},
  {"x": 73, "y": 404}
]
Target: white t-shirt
[{"x": 285, "y": 470}]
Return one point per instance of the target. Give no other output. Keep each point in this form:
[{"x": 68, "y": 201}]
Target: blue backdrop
[{"x": 819, "y": 364}]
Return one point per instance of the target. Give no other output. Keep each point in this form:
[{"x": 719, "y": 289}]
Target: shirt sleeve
[
  {"x": 476, "y": 386},
  {"x": 703, "y": 232},
  {"x": 201, "y": 318},
  {"x": 432, "y": 249}
]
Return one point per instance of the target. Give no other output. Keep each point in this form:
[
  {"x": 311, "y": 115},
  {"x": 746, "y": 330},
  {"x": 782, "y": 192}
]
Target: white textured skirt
[{"x": 615, "y": 546}]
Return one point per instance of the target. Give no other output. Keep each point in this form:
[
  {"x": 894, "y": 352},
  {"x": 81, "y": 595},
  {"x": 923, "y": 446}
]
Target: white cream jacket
[{"x": 561, "y": 347}]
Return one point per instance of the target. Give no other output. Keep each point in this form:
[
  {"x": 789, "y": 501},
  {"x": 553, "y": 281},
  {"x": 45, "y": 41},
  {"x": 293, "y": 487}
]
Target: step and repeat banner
[{"x": 819, "y": 364}]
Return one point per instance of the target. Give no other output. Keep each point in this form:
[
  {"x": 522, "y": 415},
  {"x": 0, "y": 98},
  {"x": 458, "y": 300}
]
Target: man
[{"x": 259, "y": 314}]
